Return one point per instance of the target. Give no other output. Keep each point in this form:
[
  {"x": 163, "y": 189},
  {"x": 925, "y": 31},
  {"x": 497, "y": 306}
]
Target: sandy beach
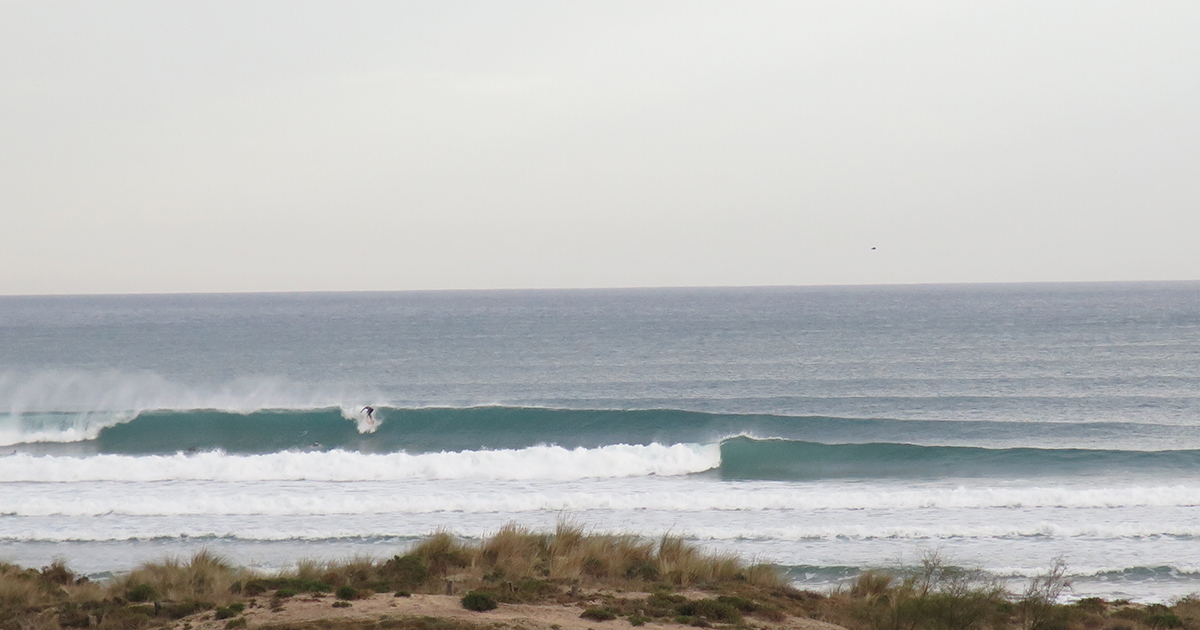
[{"x": 382, "y": 608}]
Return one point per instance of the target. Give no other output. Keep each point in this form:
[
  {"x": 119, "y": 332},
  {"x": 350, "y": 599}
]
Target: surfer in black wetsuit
[{"x": 370, "y": 413}]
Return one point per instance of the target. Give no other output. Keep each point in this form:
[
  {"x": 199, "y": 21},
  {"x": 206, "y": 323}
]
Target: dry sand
[{"x": 302, "y": 609}]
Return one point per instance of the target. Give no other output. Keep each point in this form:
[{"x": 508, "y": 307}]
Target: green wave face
[
  {"x": 750, "y": 459},
  {"x": 807, "y": 448},
  {"x": 411, "y": 430}
]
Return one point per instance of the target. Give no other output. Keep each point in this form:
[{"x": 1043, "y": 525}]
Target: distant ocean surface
[{"x": 828, "y": 430}]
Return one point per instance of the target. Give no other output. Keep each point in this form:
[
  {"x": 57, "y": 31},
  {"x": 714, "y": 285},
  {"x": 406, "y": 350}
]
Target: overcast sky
[{"x": 282, "y": 146}]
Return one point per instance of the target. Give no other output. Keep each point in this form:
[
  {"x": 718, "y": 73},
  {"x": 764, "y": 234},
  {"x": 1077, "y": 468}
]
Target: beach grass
[{"x": 664, "y": 580}]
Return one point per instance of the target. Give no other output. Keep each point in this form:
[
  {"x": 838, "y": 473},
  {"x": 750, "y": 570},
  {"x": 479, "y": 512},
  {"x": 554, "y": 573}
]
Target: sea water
[{"x": 827, "y": 430}]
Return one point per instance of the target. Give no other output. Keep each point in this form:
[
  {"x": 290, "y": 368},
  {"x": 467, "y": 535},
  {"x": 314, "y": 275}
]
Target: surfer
[{"x": 370, "y": 413}]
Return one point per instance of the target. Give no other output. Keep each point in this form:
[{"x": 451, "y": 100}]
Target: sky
[{"x": 214, "y": 146}]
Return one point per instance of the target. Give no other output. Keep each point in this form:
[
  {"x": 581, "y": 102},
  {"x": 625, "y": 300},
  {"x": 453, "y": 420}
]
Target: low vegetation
[{"x": 608, "y": 577}]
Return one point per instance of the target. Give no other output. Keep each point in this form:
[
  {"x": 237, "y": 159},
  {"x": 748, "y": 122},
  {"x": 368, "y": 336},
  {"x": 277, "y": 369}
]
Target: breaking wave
[{"x": 537, "y": 462}]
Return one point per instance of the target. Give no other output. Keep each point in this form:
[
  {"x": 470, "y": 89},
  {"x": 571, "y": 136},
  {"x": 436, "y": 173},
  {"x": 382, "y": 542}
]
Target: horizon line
[{"x": 613, "y": 288}]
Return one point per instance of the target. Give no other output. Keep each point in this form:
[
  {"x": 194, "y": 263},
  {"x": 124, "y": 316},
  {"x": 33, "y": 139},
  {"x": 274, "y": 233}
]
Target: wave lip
[
  {"x": 536, "y": 462},
  {"x": 60, "y": 406}
]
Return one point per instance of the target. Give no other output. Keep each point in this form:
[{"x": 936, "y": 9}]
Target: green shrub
[
  {"x": 1164, "y": 620},
  {"x": 140, "y": 593},
  {"x": 637, "y": 620},
  {"x": 240, "y": 622},
  {"x": 664, "y": 599},
  {"x": 949, "y": 611},
  {"x": 180, "y": 610},
  {"x": 479, "y": 601},
  {"x": 770, "y": 613},
  {"x": 404, "y": 571},
  {"x": 296, "y": 585},
  {"x": 225, "y": 613},
  {"x": 1130, "y": 613},
  {"x": 1092, "y": 604},
  {"x": 739, "y": 603},
  {"x": 598, "y": 614},
  {"x": 347, "y": 592},
  {"x": 403, "y": 594},
  {"x": 341, "y": 604},
  {"x": 647, "y": 571},
  {"x": 285, "y": 593},
  {"x": 124, "y": 619},
  {"x": 710, "y": 609},
  {"x": 72, "y": 615}
]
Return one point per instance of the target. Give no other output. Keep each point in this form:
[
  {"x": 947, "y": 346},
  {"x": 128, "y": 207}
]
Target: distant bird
[{"x": 872, "y": 249}]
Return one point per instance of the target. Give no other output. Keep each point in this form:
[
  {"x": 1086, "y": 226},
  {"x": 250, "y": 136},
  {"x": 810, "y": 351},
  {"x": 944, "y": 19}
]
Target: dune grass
[
  {"x": 664, "y": 580},
  {"x": 570, "y": 554},
  {"x": 204, "y": 577}
]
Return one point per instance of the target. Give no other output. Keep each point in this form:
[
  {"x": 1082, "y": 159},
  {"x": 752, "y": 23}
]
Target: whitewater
[{"x": 828, "y": 430}]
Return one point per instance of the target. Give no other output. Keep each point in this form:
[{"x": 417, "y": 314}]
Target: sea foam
[
  {"x": 537, "y": 462},
  {"x": 488, "y": 495}
]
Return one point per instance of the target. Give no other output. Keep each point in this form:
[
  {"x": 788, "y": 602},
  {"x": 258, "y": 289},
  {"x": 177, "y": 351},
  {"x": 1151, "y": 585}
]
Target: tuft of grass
[
  {"x": 204, "y": 577},
  {"x": 31, "y": 590},
  {"x": 570, "y": 554},
  {"x": 514, "y": 551},
  {"x": 441, "y": 553},
  {"x": 871, "y": 584}
]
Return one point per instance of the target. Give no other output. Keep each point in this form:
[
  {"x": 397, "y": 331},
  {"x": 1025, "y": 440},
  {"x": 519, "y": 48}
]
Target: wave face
[
  {"x": 413, "y": 430},
  {"x": 256, "y": 430},
  {"x": 133, "y": 454},
  {"x": 746, "y": 458}
]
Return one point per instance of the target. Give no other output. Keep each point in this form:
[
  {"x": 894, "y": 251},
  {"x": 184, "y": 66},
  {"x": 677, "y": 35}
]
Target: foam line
[{"x": 537, "y": 462}]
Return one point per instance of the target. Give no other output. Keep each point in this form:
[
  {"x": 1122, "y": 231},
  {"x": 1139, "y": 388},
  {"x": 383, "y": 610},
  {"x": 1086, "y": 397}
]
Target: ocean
[{"x": 825, "y": 429}]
